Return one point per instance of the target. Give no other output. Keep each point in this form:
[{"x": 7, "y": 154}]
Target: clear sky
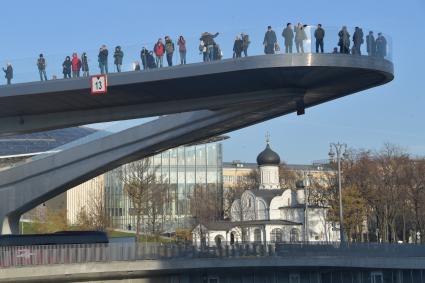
[{"x": 391, "y": 113}]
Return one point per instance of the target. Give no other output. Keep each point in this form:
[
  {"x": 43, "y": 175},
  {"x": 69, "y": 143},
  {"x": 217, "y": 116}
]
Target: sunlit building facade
[{"x": 183, "y": 169}]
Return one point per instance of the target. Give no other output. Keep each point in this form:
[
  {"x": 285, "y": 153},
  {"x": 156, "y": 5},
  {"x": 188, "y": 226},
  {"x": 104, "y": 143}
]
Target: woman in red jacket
[
  {"x": 159, "y": 50},
  {"x": 76, "y": 66}
]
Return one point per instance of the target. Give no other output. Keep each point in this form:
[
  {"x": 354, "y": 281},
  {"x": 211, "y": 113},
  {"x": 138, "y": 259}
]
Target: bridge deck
[{"x": 53, "y": 104}]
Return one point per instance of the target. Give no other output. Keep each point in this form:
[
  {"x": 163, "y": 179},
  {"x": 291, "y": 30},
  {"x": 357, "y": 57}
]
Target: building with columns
[{"x": 269, "y": 213}]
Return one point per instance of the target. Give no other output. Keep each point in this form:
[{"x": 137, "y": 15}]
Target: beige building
[{"x": 238, "y": 171}]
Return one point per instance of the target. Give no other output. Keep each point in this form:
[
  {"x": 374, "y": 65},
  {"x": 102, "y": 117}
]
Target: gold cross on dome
[{"x": 268, "y": 137}]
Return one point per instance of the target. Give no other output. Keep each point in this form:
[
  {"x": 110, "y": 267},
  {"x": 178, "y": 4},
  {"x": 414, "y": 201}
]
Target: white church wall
[
  {"x": 275, "y": 205},
  {"x": 292, "y": 214},
  {"x": 269, "y": 176},
  {"x": 262, "y": 209}
]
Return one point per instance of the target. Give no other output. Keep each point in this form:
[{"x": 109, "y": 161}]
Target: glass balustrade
[{"x": 335, "y": 40}]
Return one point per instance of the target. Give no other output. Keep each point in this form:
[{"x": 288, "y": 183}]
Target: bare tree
[
  {"x": 157, "y": 203},
  {"x": 288, "y": 177},
  {"x": 95, "y": 215},
  {"x": 205, "y": 205},
  {"x": 137, "y": 178}
]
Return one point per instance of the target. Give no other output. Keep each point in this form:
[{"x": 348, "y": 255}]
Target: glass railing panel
[{"x": 25, "y": 69}]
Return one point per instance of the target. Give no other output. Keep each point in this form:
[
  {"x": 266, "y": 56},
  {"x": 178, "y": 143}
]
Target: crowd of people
[
  {"x": 211, "y": 51},
  {"x": 297, "y": 34}
]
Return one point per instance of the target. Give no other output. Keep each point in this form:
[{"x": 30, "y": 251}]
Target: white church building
[{"x": 269, "y": 214}]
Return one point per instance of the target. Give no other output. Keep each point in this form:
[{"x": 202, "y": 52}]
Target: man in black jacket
[
  {"x": 270, "y": 41},
  {"x": 358, "y": 41},
  {"x": 103, "y": 59},
  {"x": 319, "y": 34}
]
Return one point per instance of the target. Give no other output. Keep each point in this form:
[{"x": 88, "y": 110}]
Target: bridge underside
[
  {"x": 231, "y": 96},
  {"x": 318, "y": 78}
]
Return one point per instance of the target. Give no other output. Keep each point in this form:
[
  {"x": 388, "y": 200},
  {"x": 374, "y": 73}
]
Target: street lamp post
[{"x": 339, "y": 148}]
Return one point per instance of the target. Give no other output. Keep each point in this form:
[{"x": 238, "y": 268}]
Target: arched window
[
  {"x": 276, "y": 235},
  {"x": 257, "y": 235},
  {"x": 232, "y": 238},
  {"x": 218, "y": 240},
  {"x": 262, "y": 210},
  {"x": 295, "y": 235}
]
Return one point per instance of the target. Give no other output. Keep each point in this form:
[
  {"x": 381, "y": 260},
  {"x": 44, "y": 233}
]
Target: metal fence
[{"x": 74, "y": 254}]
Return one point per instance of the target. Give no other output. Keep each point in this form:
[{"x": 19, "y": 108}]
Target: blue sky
[{"x": 391, "y": 113}]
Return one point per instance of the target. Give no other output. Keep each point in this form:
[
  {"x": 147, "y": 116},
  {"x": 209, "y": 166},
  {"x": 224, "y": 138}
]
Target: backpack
[
  {"x": 41, "y": 63},
  {"x": 150, "y": 61},
  {"x": 169, "y": 47}
]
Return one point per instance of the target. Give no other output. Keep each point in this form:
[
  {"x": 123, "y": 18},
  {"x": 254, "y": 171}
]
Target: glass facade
[{"x": 183, "y": 169}]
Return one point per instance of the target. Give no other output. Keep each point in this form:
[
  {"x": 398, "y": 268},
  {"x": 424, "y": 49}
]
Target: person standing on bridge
[
  {"x": 344, "y": 41},
  {"x": 169, "y": 49},
  {"x": 182, "y": 49},
  {"x": 357, "y": 41},
  {"x": 319, "y": 34},
  {"x": 8, "y": 73},
  {"x": 103, "y": 59},
  {"x": 85, "y": 64},
  {"x": 370, "y": 44},
  {"x": 118, "y": 56},
  {"x": 300, "y": 36},
  {"x": 76, "y": 65},
  {"x": 159, "y": 50},
  {"x": 381, "y": 46},
  {"x": 208, "y": 39},
  {"x": 67, "y": 64},
  {"x": 41, "y": 65},
  {"x": 269, "y": 41},
  {"x": 144, "y": 53},
  {"x": 246, "y": 43},
  {"x": 288, "y": 35},
  {"x": 237, "y": 47}
]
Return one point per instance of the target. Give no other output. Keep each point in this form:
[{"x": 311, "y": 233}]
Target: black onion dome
[{"x": 268, "y": 157}]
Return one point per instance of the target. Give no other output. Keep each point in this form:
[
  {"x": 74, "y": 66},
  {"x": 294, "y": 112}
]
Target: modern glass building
[{"x": 184, "y": 170}]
